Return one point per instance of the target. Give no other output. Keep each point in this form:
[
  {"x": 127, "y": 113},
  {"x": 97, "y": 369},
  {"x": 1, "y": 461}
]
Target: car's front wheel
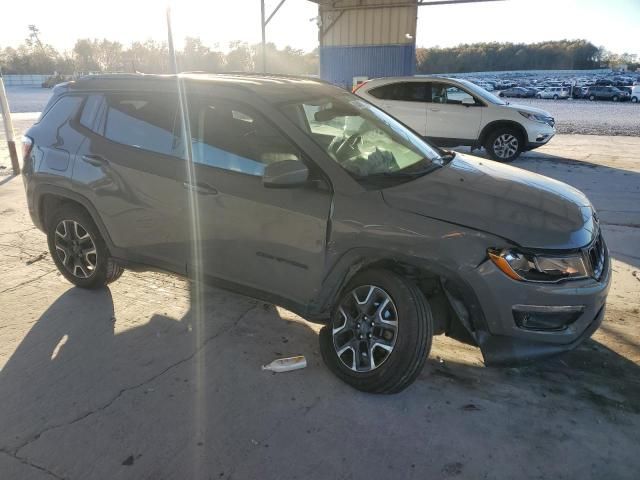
[
  {"x": 634, "y": 99},
  {"x": 592, "y": 97},
  {"x": 380, "y": 333},
  {"x": 614, "y": 98},
  {"x": 78, "y": 249},
  {"x": 504, "y": 144}
]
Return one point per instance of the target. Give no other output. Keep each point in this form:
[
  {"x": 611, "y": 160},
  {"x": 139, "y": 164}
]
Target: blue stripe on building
[{"x": 339, "y": 64}]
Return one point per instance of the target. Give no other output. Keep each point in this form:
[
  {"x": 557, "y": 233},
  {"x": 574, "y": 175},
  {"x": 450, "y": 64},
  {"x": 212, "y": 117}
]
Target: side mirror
[
  {"x": 468, "y": 102},
  {"x": 285, "y": 174}
]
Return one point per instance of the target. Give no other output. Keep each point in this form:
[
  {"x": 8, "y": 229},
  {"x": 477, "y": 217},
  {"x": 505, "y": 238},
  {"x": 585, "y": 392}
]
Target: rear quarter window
[{"x": 62, "y": 110}]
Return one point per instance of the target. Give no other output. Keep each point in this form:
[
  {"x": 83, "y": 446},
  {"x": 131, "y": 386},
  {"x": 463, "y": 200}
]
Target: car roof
[{"x": 273, "y": 87}]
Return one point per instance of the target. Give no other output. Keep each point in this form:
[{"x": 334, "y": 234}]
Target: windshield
[
  {"x": 362, "y": 139},
  {"x": 481, "y": 92}
]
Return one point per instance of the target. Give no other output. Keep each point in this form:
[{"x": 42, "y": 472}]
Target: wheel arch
[
  {"x": 50, "y": 197},
  {"x": 455, "y": 306},
  {"x": 496, "y": 124}
]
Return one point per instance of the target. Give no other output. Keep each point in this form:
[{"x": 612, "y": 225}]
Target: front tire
[
  {"x": 634, "y": 99},
  {"x": 380, "y": 333},
  {"x": 592, "y": 97},
  {"x": 614, "y": 98},
  {"x": 78, "y": 249},
  {"x": 504, "y": 144}
]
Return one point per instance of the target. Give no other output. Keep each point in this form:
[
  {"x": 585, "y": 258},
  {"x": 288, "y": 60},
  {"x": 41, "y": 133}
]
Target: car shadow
[{"x": 90, "y": 395}]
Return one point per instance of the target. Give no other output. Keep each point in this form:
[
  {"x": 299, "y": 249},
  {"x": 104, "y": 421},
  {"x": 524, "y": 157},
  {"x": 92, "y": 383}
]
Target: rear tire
[
  {"x": 539, "y": 97},
  {"x": 78, "y": 249},
  {"x": 614, "y": 98},
  {"x": 634, "y": 99},
  {"x": 555, "y": 97},
  {"x": 592, "y": 97},
  {"x": 504, "y": 144},
  {"x": 380, "y": 333}
]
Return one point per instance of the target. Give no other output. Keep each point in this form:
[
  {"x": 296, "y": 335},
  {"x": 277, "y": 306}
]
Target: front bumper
[
  {"x": 539, "y": 134},
  {"x": 503, "y": 342}
]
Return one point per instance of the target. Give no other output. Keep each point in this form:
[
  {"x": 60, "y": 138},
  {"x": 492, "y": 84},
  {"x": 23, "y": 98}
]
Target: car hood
[
  {"x": 528, "y": 109},
  {"x": 523, "y": 207}
]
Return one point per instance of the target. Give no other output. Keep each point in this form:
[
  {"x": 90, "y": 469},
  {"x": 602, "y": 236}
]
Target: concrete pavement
[{"x": 139, "y": 381}]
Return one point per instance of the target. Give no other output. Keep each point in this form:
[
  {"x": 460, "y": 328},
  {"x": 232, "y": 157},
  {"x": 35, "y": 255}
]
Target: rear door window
[
  {"x": 143, "y": 121},
  {"x": 402, "y": 91}
]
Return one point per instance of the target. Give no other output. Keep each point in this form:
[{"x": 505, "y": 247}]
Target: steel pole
[
  {"x": 8, "y": 128},
  {"x": 264, "y": 38}
]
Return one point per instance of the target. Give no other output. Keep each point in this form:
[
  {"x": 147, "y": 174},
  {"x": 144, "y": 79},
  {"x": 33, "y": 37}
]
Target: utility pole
[
  {"x": 263, "y": 25},
  {"x": 8, "y": 127},
  {"x": 264, "y": 39}
]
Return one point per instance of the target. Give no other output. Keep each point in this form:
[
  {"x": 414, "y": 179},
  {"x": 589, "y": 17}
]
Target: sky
[{"x": 614, "y": 24}]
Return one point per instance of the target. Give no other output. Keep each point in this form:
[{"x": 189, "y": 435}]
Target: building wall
[{"x": 357, "y": 40}]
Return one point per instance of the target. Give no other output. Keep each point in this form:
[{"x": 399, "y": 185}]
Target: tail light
[
  {"x": 358, "y": 86},
  {"x": 27, "y": 145}
]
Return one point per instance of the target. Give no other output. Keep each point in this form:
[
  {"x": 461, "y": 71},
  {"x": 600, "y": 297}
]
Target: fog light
[
  {"x": 546, "y": 318},
  {"x": 541, "y": 137}
]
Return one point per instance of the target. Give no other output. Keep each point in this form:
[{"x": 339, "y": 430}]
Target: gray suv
[{"x": 303, "y": 195}]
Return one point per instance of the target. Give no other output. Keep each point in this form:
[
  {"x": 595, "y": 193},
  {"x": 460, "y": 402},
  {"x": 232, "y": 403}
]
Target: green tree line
[
  {"x": 93, "y": 55},
  {"x": 487, "y": 57}
]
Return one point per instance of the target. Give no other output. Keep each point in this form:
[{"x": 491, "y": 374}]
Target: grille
[{"x": 596, "y": 257}]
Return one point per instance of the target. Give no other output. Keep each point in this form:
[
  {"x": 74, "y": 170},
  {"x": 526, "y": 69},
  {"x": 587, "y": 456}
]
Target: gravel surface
[{"x": 590, "y": 118}]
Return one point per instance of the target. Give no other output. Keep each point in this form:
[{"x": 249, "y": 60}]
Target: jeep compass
[{"x": 312, "y": 198}]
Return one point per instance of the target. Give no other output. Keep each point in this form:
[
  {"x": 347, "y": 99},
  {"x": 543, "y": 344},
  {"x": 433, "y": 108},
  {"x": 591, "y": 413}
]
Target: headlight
[
  {"x": 538, "y": 268},
  {"x": 535, "y": 117}
]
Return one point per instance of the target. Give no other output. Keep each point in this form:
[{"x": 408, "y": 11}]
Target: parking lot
[{"x": 142, "y": 380}]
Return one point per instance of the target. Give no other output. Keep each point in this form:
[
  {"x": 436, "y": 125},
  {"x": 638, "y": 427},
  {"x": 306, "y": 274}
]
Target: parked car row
[{"x": 536, "y": 85}]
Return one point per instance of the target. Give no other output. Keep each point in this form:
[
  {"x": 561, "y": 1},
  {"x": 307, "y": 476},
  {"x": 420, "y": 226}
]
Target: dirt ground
[{"x": 141, "y": 380}]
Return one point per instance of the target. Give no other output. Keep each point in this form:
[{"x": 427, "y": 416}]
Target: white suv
[
  {"x": 635, "y": 93},
  {"x": 453, "y": 112},
  {"x": 554, "y": 92}
]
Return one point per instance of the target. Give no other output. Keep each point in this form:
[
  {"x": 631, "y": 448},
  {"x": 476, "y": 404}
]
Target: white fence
[{"x": 28, "y": 80}]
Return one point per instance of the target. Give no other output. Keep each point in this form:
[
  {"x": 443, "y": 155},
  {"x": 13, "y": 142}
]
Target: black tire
[
  {"x": 412, "y": 337},
  {"x": 105, "y": 269},
  {"x": 614, "y": 98},
  {"x": 592, "y": 97},
  {"x": 634, "y": 99},
  {"x": 539, "y": 97},
  {"x": 555, "y": 97},
  {"x": 491, "y": 148}
]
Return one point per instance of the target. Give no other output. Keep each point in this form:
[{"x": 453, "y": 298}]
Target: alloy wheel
[
  {"x": 75, "y": 248},
  {"x": 505, "y": 145},
  {"x": 365, "y": 328}
]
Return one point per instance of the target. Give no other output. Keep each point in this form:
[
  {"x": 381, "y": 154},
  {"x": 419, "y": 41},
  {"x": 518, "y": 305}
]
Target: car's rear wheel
[
  {"x": 555, "y": 97},
  {"x": 634, "y": 99},
  {"x": 614, "y": 98},
  {"x": 539, "y": 96},
  {"x": 78, "y": 249},
  {"x": 592, "y": 97},
  {"x": 380, "y": 333},
  {"x": 504, "y": 144}
]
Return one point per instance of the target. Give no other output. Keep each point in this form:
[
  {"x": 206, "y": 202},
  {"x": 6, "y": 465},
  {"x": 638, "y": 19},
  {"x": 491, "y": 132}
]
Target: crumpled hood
[{"x": 526, "y": 208}]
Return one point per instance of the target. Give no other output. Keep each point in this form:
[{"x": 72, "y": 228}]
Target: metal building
[{"x": 366, "y": 38}]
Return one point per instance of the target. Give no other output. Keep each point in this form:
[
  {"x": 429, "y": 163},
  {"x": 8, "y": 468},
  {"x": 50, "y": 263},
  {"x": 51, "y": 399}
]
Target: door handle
[
  {"x": 200, "y": 188},
  {"x": 95, "y": 160}
]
